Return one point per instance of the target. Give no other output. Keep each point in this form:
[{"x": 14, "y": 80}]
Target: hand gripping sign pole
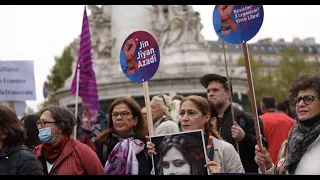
[
  {"x": 237, "y": 24},
  {"x": 229, "y": 84},
  {"x": 139, "y": 61}
]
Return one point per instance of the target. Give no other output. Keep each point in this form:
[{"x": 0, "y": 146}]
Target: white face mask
[{"x": 45, "y": 135}]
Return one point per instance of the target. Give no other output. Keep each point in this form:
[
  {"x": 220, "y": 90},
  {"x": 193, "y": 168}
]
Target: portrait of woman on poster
[
  {"x": 195, "y": 112},
  {"x": 180, "y": 154}
]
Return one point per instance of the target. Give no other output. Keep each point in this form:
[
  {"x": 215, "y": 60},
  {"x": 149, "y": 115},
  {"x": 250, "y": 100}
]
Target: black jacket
[
  {"x": 247, "y": 145},
  {"x": 19, "y": 160}
]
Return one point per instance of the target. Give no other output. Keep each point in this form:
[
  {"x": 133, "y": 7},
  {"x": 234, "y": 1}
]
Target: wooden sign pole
[
  {"x": 147, "y": 102},
  {"x": 229, "y": 84},
  {"x": 252, "y": 97}
]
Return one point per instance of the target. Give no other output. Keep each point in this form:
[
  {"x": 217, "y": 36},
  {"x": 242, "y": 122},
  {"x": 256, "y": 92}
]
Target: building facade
[{"x": 185, "y": 55}]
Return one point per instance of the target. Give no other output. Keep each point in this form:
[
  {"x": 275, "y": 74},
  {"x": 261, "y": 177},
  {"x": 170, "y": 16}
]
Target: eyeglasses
[
  {"x": 164, "y": 101},
  {"x": 42, "y": 124},
  {"x": 123, "y": 114},
  {"x": 308, "y": 99}
]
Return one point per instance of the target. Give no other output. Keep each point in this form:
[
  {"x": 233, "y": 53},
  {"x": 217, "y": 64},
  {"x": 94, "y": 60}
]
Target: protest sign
[{"x": 17, "y": 81}]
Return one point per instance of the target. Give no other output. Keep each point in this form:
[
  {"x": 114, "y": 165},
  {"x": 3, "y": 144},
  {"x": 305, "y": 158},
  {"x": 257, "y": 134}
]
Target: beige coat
[{"x": 228, "y": 158}]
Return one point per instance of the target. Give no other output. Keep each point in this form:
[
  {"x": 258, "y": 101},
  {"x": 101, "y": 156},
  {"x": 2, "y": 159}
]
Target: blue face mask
[{"x": 45, "y": 135}]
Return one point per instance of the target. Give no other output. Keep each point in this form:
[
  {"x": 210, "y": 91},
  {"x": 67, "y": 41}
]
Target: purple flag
[{"x": 87, "y": 85}]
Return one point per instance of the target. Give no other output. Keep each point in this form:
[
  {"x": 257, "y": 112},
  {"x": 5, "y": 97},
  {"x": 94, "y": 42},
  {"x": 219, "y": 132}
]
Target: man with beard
[{"x": 243, "y": 132}]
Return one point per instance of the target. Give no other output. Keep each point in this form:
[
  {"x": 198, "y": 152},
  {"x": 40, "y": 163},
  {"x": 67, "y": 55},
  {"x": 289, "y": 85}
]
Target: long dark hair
[
  {"x": 11, "y": 127},
  {"x": 30, "y": 125}
]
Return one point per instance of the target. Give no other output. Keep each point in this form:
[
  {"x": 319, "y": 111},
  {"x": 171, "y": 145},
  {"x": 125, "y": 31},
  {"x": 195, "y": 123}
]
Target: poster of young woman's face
[{"x": 180, "y": 153}]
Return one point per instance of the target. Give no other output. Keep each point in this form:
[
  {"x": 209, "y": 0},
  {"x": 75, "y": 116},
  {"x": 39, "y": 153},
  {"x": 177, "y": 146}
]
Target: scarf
[
  {"x": 303, "y": 135},
  {"x": 122, "y": 159},
  {"x": 87, "y": 139},
  {"x": 91, "y": 123},
  {"x": 51, "y": 152}
]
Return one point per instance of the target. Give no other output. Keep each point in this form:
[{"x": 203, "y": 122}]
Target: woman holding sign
[
  {"x": 195, "y": 114},
  {"x": 303, "y": 144},
  {"x": 125, "y": 140}
]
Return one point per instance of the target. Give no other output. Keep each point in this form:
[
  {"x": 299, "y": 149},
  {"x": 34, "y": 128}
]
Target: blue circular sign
[
  {"x": 139, "y": 56},
  {"x": 236, "y": 24}
]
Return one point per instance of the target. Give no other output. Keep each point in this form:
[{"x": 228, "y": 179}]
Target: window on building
[
  {"x": 230, "y": 59},
  {"x": 267, "y": 60},
  {"x": 255, "y": 48},
  {"x": 219, "y": 58},
  {"x": 276, "y": 61},
  {"x": 301, "y": 49},
  {"x": 280, "y": 48}
]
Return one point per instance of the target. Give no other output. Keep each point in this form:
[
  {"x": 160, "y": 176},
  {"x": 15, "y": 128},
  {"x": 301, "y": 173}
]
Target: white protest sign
[
  {"x": 17, "y": 81},
  {"x": 19, "y": 106}
]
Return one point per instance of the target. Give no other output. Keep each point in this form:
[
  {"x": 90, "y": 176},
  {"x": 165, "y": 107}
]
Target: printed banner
[{"x": 17, "y": 81}]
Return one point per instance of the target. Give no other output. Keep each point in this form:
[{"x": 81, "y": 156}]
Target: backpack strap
[{"x": 163, "y": 120}]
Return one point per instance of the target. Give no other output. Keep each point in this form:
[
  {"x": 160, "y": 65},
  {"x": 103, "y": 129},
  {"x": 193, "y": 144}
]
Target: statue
[
  {"x": 100, "y": 33},
  {"x": 100, "y": 30},
  {"x": 195, "y": 28},
  {"x": 176, "y": 25}
]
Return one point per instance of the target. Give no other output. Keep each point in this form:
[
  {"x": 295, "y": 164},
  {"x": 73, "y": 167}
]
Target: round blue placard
[
  {"x": 139, "y": 56},
  {"x": 236, "y": 24}
]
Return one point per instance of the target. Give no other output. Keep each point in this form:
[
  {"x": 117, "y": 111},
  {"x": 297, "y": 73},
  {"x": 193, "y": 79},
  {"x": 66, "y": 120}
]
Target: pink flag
[{"x": 87, "y": 85}]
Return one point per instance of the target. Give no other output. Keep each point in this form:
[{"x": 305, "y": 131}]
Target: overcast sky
[{"x": 41, "y": 32}]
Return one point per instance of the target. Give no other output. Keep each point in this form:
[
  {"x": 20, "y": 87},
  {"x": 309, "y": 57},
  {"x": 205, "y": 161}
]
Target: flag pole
[
  {"x": 77, "y": 99},
  {"x": 89, "y": 91}
]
